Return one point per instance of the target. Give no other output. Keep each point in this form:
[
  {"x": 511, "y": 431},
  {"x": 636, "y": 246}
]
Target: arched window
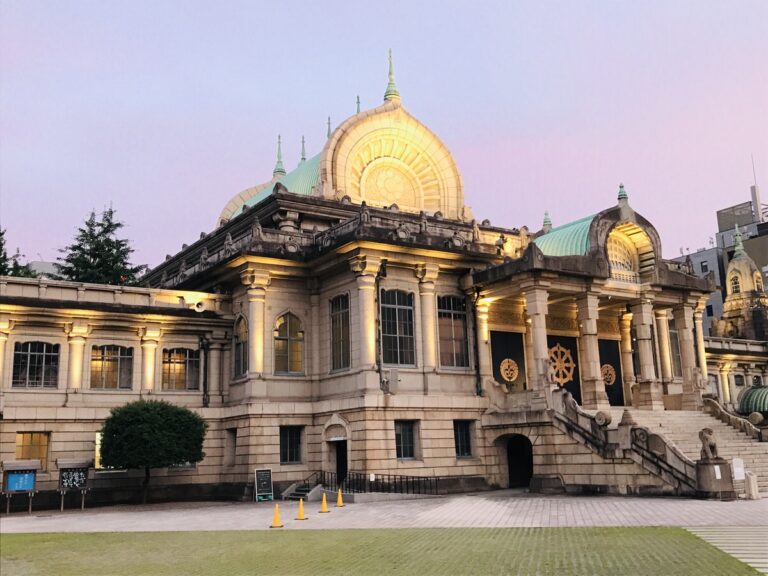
[
  {"x": 758, "y": 282},
  {"x": 735, "y": 284},
  {"x": 35, "y": 365},
  {"x": 289, "y": 345},
  {"x": 181, "y": 369},
  {"x": 240, "y": 346},
  {"x": 622, "y": 258},
  {"x": 111, "y": 367}
]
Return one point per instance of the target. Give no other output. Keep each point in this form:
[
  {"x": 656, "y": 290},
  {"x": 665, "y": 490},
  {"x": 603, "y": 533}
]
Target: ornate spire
[
  {"x": 622, "y": 193},
  {"x": 739, "y": 248},
  {"x": 303, "y": 150},
  {"x": 279, "y": 169},
  {"x": 328, "y": 135},
  {"x": 547, "y": 226},
  {"x": 391, "y": 93},
  {"x": 358, "y": 104}
]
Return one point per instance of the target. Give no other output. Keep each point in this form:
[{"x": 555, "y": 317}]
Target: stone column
[
  {"x": 427, "y": 274},
  {"x": 536, "y": 308},
  {"x": 665, "y": 347},
  {"x": 724, "y": 384},
  {"x": 314, "y": 336},
  {"x": 592, "y": 384},
  {"x": 6, "y": 324},
  {"x": 226, "y": 372},
  {"x": 214, "y": 372},
  {"x": 484, "y": 340},
  {"x": 257, "y": 282},
  {"x": 77, "y": 334},
  {"x": 627, "y": 362},
  {"x": 650, "y": 394},
  {"x": 684, "y": 324},
  {"x": 698, "y": 323},
  {"x": 366, "y": 297}
]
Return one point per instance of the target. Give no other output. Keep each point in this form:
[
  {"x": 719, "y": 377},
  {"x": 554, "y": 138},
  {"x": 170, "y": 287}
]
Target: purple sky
[{"x": 167, "y": 109}]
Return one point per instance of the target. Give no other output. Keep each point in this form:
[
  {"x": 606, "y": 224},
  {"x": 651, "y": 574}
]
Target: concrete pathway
[{"x": 504, "y": 508}]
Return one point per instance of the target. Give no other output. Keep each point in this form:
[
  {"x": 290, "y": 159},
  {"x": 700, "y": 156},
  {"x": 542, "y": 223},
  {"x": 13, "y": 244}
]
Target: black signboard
[
  {"x": 73, "y": 479},
  {"x": 263, "y": 484},
  {"x": 564, "y": 357},
  {"x": 508, "y": 358},
  {"x": 610, "y": 370}
]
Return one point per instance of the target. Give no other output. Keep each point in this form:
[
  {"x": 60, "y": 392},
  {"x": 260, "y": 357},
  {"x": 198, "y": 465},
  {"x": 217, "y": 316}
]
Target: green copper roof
[
  {"x": 755, "y": 399},
  {"x": 298, "y": 181},
  {"x": 570, "y": 239},
  {"x": 622, "y": 193}
]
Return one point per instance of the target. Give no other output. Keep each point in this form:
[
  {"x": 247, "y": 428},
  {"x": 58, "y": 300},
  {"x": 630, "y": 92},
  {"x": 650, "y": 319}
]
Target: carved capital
[
  {"x": 358, "y": 264},
  {"x": 150, "y": 333},
  {"x": 78, "y": 329},
  {"x": 426, "y": 272},
  {"x": 255, "y": 278},
  {"x": 6, "y": 325}
]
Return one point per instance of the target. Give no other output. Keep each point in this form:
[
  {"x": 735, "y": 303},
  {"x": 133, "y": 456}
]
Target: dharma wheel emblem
[
  {"x": 562, "y": 364},
  {"x": 608, "y": 373},
  {"x": 509, "y": 370}
]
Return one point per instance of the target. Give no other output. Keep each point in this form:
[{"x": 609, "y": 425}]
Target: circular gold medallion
[
  {"x": 562, "y": 364},
  {"x": 509, "y": 370},
  {"x": 608, "y": 373}
]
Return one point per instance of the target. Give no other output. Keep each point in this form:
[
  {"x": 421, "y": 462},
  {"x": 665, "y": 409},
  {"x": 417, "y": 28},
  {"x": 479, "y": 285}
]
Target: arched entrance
[{"x": 520, "y": 461}]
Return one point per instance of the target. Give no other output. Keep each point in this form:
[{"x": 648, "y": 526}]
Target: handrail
[
  {"x": 360, "y": 482},
  {"x": 717, "y": 410}
]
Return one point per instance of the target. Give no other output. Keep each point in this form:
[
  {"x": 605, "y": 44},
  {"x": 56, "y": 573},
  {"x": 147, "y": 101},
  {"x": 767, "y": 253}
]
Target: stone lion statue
[{"x": 708, "y": 444}]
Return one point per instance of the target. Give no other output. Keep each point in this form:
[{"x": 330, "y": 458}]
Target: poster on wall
[
  {"x": 564, "y": 356},
  {"x": 20, "y": 481},
  {"x": 610, "y": 370},
  {"x": 508, "y": 359}
]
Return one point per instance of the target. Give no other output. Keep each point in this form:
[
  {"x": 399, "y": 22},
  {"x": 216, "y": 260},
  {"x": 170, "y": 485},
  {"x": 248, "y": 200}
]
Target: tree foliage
[
  {"x": 97, "y": 255},
  {"x": 11, "y": 265},
  {"x": 151, "y": 434}
]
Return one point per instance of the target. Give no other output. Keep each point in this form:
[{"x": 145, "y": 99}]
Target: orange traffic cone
[
  {"x": 324, "y": 506},
  {"x": 276, "y": 518},
  {"x": 300, "y": 515},
  {"x": 339, "y": 501}
]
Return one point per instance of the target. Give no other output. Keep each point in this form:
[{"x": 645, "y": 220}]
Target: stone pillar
[
  {"x": 698, "y": 323},
  {"x": 226, "y": 372},
  {"x": 214, "y": 371},
  {"x": 366, "y": 297},
  {"x": 150, "y": 338},
  {"x": 6, "y": 324},
  {"x": 484, "y": 340},
  {"x": 627, "y": 362},
  {"x": 427, "y": 275},
  {"x": 257, "y": 282},
  {"x": 665, "y": 347},
  {"x": 724, "y": 383},
  {"x": 536, "y": 308},
  {"x": 314, "y": 336},
  {"x": 684, "y": 324},
  {"x": 649, "y": 394},
  {"x": 77, "y": 334},
  {"x": 592, "y": 384}
]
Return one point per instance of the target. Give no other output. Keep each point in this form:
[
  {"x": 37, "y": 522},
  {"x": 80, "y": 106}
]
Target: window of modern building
[
  {"x": 397, "y": 328},
  {"x": 289, "y": 345},
  {"x": 674, "y": 350},
  {"x": 33, "y": 446},
  {"x": 462, "y": 437},
  {"x": 35, "y": 365},
  {"x": 452, "y": 331},
  {"x": 704, "y": 267},
  {"x": 240, "y": 345},
  {"x": 710, "y": 310},
  {"x": 406, "y": 441},
  {"x": 230, "y": 447},
  {"x": 340, "y": 343},
  {"x": 290, "y": 444},
  {"x": 735, "y": 284},
  {"x": 111, "y": 367},
  {"x": 181, "y": 369}
]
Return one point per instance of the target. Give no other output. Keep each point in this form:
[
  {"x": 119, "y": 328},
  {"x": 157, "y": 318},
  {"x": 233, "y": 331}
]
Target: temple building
[{"x": 351, "y": 316}]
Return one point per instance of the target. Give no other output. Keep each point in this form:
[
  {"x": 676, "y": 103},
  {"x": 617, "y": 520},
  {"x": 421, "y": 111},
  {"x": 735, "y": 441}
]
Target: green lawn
[{"x": 529, "y": 551}]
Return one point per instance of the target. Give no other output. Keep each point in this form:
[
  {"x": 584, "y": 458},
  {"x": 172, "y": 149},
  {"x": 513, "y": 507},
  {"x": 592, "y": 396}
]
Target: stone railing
[
  {"x": 714, "y": 408},
  {"x": 628, "y": 440}
]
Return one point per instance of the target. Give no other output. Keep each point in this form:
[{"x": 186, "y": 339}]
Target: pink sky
[{"x": 166, "y": 109}]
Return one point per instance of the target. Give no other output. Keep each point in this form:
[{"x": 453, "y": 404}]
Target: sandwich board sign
[{"x": 263, "y": 488}]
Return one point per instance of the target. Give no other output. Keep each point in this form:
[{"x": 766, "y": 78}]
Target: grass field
[{"x": 424, "y": 552}]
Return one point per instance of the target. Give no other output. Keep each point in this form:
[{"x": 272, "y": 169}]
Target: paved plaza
[{"x": 738, "y": 528}]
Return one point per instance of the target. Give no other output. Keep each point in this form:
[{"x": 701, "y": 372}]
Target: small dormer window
[{"x": 735, "y": 284}]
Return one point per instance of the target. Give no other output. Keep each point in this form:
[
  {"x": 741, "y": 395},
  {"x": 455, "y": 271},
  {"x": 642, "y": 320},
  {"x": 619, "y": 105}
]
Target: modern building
[{"x": 350, "y": 315}]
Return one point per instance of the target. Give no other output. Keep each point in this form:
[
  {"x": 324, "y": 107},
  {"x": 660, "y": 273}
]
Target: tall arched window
[
  {"x": 735, "y": 284},
  {"x": 622, "y": 257},
  {"x": 289, "y": 345},
  {"x": 240, "y": 346}
]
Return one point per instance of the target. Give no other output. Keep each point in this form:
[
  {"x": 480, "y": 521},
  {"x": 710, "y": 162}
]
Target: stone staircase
[
  {"x": 299, "y": 492},
  {"x": 682, "y": 429}
]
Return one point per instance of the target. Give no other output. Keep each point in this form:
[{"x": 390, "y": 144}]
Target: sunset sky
[{"x": 166, "y": 109}]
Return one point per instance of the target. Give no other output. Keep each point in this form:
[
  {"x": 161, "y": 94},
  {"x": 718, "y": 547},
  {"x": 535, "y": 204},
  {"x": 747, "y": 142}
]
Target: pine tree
[
  {"x": 11, "y": 265},
  {"x": 97, "y": 255}
]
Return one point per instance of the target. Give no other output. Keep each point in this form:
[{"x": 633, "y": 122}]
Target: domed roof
[
  {"x": 301, "y": 180},
  {"x": 570, "y": 239},
  {"x": 754, "y": 399}
]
